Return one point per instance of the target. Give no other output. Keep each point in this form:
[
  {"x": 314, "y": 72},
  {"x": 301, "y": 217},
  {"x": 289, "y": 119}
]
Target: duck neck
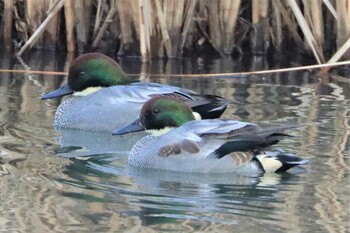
[
  {"x": 87, "y": 91},
  {"x": 159, "y": 132},
  {"x": 123, "y": 79}
]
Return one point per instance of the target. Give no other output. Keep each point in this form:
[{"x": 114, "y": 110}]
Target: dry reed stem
[
  {"x": 125, "y": 17},
  {"x": 82, "y": 15},
  {"x": 41, "y": 28},
  {"x": 309, "y": 67},
  {"x": 306, "y": 31},
  {"x": 88, "y": 4},
  {"x": 230, "y": 19},
  {"x": 276, "y": 25},
  {"x": 178, "y": 22},
  {"x": 172, "y": 20},
  {"x": 214, "y": 26},
  {"x": 143, "y": 39},
  {"x": 224, "y": 7},
  {"x": 207, "y": 37},
  {"x": 43, "y": 72},
  {"x": 149, "y": 21},
  {"x": 169, "y": 9},
  {"x": 35, "y": 12},
  {"x": 155, "y": 36},
  {"x": 187, "y": 22},
  {"x": 331, "y": 8},
  {"x": 105, "y": 25},
  {"x": 69, "y": 16},
  {"x": 317, "y": 21},
  {"x": 290, "y": 24},
  {"x": 153, "y": 41},
  {"x": 342, "y": 50},
  {"x": 52, "y": 30},
  {"x": 134, "y": 10},
  {"x": 163, "y": 29},
  {"x": 259, "y": 10},
  {"x": 260, "y": 36},
  {"x": 7, "y": 22},
  {"x": 343, "y": 24},
  {"x": 98, "y": 17},
  {"x": 176, "y": 28}
]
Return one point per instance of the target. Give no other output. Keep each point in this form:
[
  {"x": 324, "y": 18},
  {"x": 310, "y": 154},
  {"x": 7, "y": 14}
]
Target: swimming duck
[
  {"x": 101, "y": 92},
  {"x": 181, "y": 143}
]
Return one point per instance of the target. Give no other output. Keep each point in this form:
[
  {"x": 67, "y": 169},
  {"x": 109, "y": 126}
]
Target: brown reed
[{"x": 172, "y": 28}]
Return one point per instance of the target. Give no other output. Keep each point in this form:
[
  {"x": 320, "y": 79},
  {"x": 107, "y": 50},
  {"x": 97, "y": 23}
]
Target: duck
[
  {"x": 99, "y": 91},
  {"x": 180, "y": 143}
]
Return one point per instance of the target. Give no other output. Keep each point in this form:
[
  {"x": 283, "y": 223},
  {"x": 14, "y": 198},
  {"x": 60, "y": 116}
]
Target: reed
[
  {"x": 276, "y": 25},
  {"x": 172, "y": 28},
  {"x": 128, "y": 43},
  {"x": 104, "y": 27},
  {"x": 144, "y": 33},
  {"x": 7, "y": 19},
  {"x": 57, "y": 5},
  {"x": 188, "y": 21},
  {"x": 229, "y": 13},
  {"x": 52, "y": 31},
  {"x": 260, "y": 33},
  {"x": 82, "y": 11},
  {"x": 69, "y": 16}
]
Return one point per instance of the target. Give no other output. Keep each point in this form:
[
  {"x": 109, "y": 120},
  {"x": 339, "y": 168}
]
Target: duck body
[
  {"x": 205, "y": 146},
  {"x": 102, "y": 97},
  {"x": 115, "y": 106},
  {"x": 199, "y": 146}
]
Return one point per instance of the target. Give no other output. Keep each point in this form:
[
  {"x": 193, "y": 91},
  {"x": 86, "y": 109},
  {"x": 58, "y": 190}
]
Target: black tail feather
[{"x": 210, "y": 106}]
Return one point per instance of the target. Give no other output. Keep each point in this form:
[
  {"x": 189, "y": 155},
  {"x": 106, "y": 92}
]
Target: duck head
[
  {"x": 91, "y": 70},
  {"x": 159, "y": 113}
]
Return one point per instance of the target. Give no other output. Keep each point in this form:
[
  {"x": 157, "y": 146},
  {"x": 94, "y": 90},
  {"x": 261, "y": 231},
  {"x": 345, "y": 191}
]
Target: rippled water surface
[{"x": 74, "y": 181}]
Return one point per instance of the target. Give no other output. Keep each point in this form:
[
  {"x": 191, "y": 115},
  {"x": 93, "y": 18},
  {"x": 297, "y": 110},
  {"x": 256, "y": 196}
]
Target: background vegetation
[{"x": 172, "y": 28}]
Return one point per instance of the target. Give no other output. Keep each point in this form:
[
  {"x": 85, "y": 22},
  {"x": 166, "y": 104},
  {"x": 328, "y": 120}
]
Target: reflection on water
[{"x": 64, "y": 181}]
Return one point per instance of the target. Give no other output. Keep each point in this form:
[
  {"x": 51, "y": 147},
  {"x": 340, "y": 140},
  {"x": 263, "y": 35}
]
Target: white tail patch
[
  {"x": 270, "y": 164},
  {"x": 87, "y": 91}
]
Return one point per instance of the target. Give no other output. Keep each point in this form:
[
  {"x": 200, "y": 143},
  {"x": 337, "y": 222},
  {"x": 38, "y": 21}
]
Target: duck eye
[
  {"x": 81, "y": 74},
  {"x": 155, "y": 110}
]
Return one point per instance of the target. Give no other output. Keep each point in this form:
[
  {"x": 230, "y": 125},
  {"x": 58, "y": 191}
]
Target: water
[{"x": 71, "y": 181}]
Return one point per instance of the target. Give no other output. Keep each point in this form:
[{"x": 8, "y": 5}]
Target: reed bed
[{"x": 174, "y": 28}]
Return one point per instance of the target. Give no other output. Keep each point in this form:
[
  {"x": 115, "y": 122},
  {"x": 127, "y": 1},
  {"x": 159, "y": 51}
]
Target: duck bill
[
  {"x": 135, "y": 126},
  {"x": 62, "y": 91}
]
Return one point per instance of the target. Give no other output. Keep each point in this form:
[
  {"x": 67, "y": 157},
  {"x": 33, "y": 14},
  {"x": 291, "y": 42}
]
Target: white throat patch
[
  {"x": 159, "y": 132},
  {"x": 87, "y": 91}
]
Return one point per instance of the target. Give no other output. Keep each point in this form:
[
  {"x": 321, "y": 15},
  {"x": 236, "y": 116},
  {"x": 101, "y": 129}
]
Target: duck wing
[
  {"x": 252, "y": 138},
  {"x": 149, "y": 90},
  {"x": 223, "y": 136},
  {"x": 197, "y": 137}
]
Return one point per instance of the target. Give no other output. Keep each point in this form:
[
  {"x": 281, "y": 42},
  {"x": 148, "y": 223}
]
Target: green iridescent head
[
  {"x": 91, "y": 70},
  {"x": 158, "y": 113},
  {"x": 95, "y": 69}
]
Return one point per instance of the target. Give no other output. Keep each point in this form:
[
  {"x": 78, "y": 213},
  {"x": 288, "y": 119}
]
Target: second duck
[{"x": 181, "y": 143}]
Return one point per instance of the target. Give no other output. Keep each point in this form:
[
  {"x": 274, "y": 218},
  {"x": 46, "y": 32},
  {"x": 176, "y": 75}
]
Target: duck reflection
[
  {"x": 74, "y": 143},
  {"x": 164, "y": 197}
]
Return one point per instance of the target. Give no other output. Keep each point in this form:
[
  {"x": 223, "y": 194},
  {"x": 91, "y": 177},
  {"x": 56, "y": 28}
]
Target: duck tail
[
  {"x": 277, "y": 161},
  {"x": 212, "y": 106}
]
